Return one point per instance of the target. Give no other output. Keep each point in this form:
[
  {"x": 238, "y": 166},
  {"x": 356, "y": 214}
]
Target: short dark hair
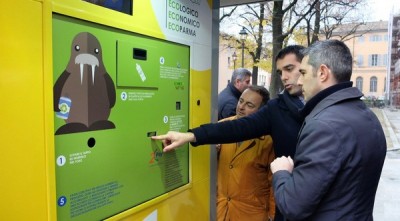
[
  {"x": 240, "y": 73},
  {"x": 334, "y": 54},
  {"x": 291, "y": 49},
  {"x": 262, "y": 91}
]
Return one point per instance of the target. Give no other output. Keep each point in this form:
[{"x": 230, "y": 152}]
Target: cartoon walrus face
[
  {"x": 86, "y": 50},
  {"x": 87, "y": 88}
]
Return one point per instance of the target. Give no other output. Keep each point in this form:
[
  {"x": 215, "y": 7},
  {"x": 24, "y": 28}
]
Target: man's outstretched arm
[{"x": 173, "y": 140}]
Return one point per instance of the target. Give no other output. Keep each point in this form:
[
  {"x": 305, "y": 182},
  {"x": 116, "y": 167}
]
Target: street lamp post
[
  {"x": 243, "y": 36},
  {"x": 234, "y": 58}
]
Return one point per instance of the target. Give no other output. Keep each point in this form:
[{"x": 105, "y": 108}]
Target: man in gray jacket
[
  {"x": 229, "y": 97},
  {"x": 341, "y": 147}
]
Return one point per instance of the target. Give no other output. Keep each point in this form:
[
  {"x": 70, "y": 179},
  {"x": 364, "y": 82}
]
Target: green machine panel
[
  {"x": 113, "y": 90},
  {"x": 136, "y": 60}
]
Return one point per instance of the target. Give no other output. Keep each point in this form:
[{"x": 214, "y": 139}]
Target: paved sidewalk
[{"x": 387, "y": 201}]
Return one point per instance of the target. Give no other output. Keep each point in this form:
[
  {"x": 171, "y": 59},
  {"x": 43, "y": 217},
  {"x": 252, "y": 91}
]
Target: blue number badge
[{"x": 62, "y": 201}]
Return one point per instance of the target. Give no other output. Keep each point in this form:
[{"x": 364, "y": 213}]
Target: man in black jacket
[
  {"x": 280, "y": 118},
  {"x": 341, "y": 147},
  {"x": 229, "y": 97}
]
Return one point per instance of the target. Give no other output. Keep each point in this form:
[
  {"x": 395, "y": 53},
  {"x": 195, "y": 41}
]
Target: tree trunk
[
  {"x": 254, "y": 75},
  {"x": 277, "y": 41},
  {"x": 316, "y": 22},
  {"x": 259, "y": 47}
]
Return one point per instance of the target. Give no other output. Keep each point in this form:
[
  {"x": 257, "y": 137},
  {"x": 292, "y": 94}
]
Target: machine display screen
[{"x": 124, "y": 6}]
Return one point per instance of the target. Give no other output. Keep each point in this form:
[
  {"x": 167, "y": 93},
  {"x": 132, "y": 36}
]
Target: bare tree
[
  {"x": 255, "y": 20},
  {"x": 252, "y": 19},
  {"x": 279, "y": 36},
  {"x": 319, "y": 16},
  {"x": 226, "y": 14},
  {"x": 328, "y": 16},
  {"x": 314, "y": 17}
]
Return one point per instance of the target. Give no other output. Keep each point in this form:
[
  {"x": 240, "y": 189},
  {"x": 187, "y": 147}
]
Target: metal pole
[
  {"x": 243, "y": 35},
  {"x": 234, "y": 58},
  {"x": 242, "y": 53}
]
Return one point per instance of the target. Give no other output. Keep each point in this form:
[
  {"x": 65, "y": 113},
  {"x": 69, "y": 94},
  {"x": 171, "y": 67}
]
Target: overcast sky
[{"x": 380, "y": 9}]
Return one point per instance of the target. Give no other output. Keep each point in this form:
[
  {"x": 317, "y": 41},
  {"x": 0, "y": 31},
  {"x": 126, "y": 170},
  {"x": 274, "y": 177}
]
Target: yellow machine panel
[{"x": 84, "y": 85}]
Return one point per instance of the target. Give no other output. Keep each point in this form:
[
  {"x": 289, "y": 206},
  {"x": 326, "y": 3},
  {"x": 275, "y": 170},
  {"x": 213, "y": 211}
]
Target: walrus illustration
[{"x": 84, "y": 93}]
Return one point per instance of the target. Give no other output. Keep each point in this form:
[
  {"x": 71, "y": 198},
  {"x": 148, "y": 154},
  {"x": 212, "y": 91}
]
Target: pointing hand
[{"x": 173, "y": 140}]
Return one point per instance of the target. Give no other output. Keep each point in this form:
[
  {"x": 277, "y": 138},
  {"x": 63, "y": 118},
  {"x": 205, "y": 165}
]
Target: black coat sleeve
[{"x": 252, "y": 126}]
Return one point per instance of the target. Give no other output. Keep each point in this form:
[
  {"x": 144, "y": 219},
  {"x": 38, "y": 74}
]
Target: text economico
[{"x": 184, "y": 19}]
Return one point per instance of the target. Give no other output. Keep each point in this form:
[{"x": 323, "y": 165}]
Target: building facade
[
  {"x": 369, "y": 47},
  {"x": 228, "y": 62}
]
